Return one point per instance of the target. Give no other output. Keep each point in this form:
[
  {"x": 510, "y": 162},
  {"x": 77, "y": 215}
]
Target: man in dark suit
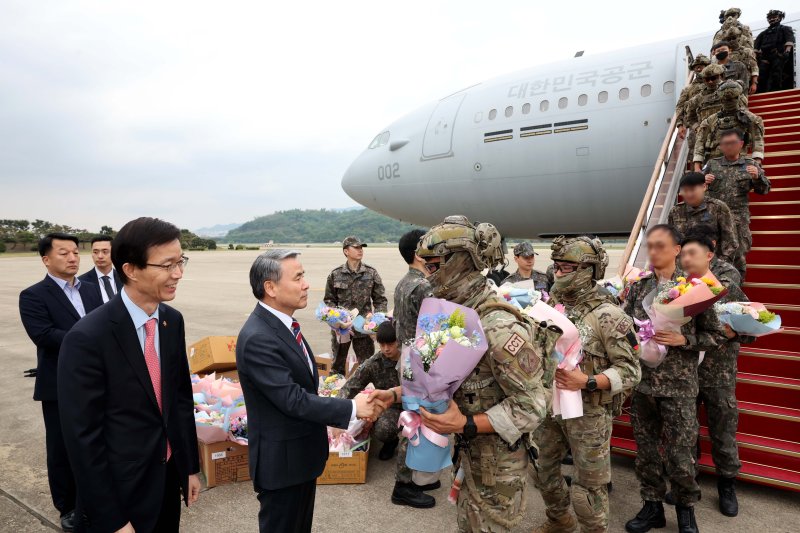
[
  {"x": 125, "y": 394},
  {"x": 48, "y": 310},
  {"x": 287, "y": 420},
  {"x": 103, "y": 275}
]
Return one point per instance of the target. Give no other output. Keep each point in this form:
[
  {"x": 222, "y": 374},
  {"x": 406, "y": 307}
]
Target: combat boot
[
  {"x": 651, "y": 516},
  {"x": 408, "y": 494},
  {"x": 564, "y": 524},
  {"x": 728, "y": 504},
  {"x": 686, "y": 521}
]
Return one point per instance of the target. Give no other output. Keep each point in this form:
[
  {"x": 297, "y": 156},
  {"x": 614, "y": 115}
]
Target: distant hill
[
  {"x": 319, "y": 225},
  {"x": 218, "y": 230}
]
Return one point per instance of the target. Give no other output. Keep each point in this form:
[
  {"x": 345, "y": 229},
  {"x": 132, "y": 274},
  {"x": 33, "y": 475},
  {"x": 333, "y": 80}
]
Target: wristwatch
[
  {"x": 591, "y": 384},
  {"x": 470, "y": 429}
]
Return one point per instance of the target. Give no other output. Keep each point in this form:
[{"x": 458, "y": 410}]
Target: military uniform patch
[
  {"x": 624, "y": 325},
  {"x": 514, "y": 344}
]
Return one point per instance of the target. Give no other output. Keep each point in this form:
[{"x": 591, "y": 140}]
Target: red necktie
[
  {"x": 154, "y": 365},
  {"x": 299, "y": 338}
]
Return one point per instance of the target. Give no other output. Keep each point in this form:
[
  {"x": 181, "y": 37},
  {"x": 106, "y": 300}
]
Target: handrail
[{"x": 664, "y": 162}]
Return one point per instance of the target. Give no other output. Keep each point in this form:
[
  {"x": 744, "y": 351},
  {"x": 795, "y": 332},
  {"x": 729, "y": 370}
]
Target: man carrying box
[{"x": 381, "y": 371}]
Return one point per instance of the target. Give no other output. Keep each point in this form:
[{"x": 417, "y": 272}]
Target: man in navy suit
[
  {"x": 125, "y": 394},
  {"x": 103, "y": 275},
  {"x": 48, "y": 310},
  {"x": 288, "y": 443}
]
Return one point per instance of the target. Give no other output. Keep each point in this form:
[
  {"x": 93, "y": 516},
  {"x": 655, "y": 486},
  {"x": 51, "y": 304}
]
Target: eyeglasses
[
  {"x": 565, "y": 268},
  {"x": 172, "y": 266}
]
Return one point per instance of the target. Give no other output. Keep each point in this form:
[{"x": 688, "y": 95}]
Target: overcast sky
[{"x": 214, "y": 112}]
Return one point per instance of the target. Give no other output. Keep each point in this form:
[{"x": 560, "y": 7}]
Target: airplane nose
[{"x": 354, "y": 180}]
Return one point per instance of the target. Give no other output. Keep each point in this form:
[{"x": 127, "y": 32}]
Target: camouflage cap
[
  {"x": 457, "y": 234},
  {"x": 581, "y": 249},
  {"x": 700, "y": 60},
  {"x": 733, "y": 12},
  {"x": 730, "y": 89},
  {"x": 352, "y": 240},
  {"x": 524, "y": 249},
  {"x": 713, "y": 70}
]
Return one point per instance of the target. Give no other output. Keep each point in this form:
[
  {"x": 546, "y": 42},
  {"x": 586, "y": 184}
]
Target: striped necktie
[{"x": 299, "y": 338}]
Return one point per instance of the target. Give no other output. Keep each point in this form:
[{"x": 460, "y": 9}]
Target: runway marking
[{"x": 40, "y": 517}]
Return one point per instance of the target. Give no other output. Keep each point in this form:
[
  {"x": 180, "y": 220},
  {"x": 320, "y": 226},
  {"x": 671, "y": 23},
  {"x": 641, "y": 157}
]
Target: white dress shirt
[
  {"x": 111, "y": 274},
  {"x": 139, "y": 318},
  {"x": 72, "y": 292},
  {"x": 287, "y": 321}
]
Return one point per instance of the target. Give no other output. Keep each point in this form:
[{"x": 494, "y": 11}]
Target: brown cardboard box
[
  {"x": 324, "y": 363},
  {"x": 212, "y": 353},
  {"x": 345, "y": 470},
  {"x": 223, "y": 462},
  {"x": 233, "y": 375}
]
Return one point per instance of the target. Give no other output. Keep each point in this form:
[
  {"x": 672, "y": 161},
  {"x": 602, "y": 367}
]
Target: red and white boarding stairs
[{"x": 768, "y": 381}]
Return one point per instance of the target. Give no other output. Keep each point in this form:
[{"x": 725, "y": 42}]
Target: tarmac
[{"x": 215, "y": 299}]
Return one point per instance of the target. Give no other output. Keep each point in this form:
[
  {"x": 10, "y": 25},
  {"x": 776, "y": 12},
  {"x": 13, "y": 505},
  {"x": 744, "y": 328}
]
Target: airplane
[{"x": 564, "y": 148}]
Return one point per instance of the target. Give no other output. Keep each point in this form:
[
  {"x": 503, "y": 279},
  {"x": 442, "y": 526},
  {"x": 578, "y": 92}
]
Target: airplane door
[{"x": 438, "y": 140}]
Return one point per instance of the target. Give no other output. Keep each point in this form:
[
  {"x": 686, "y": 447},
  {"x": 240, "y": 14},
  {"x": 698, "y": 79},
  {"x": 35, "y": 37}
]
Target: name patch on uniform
[{"x": 514, "y": 344}]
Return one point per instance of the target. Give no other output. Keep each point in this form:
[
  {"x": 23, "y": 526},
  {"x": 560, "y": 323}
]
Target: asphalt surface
[{"x": 215, "y": 299}]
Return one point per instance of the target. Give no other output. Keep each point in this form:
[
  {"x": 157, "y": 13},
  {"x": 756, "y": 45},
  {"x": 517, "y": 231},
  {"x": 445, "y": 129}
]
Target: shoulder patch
[
  {"x": 624, "y": 325},
  {"x": 514, "y": 344}
]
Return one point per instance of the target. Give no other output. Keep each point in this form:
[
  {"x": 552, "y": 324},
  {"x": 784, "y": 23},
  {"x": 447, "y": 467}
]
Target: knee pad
[{"x": 589, "y": 504}]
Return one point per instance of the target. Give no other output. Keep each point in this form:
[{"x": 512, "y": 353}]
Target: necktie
[
  {"x": 299, "y": 338},
  {"x": 154, "y": 365},
  {"x": 107, "y": 286}
]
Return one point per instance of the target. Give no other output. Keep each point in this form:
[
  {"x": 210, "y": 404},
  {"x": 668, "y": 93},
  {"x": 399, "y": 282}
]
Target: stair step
[
  {"x": 786, "y": 339},
  {"x": 777, "y": 96},
  {"x": 776, "y": 105},
  {"x": 761, "y": 450},
  {"x": 771, "y": 207},
  {"x": 782, "y": 157},
  {"x": 769, "y": 420},
  {"x": 772, "y": 255},
  {"x": 760, "y": 273},
  {"x": 779, "y": 391},
  {"x": 776, "y": 238},
  {"x": 779, "y": 293},
  {"x": 774, "y": 222},
  {"x": 780, "y": 136},
  {"x": 780, "y": 117},
  {"x": 760, "y": 474},
  {"x": 768, "y": 362}
]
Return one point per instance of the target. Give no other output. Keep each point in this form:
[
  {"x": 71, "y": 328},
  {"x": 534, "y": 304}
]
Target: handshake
[{"x": 370, "y": 405}]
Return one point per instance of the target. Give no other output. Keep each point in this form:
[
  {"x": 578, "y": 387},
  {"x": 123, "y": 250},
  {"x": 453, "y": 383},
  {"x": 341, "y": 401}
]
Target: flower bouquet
[
  {"x": 329, "y": 386},
  {"x": 521, "y": 294},
  {"x": 568, "y": 354},
  {"x": 368, "y": 324},
  {"x": 672, "y": 305},
  {"x": 219, "y": 407},
  {"x": 449, "y": 344},
  {"x": 340, "y": 320},
  {"x": 748, "y": 318}
]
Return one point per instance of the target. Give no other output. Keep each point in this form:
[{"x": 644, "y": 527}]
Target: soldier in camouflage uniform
[
  {"x": 609, "y": 369},
  {"x": 732, "y": 116},
  {"x": 663, "y": 409},
  {"x": 708, "y": 101},
  {"x": 354, "y": 285},
  {"x": 503, "y": 399},
  {"x": 740, "y": 41},
  {"x": 699, "y": 209},
  {"x": 734, "y": 70},
  {"x": 689, "y": 92},
  {"x": 717, "y": 372},
  {"x": 730, "y": 179},
  {"x": 411, "y": 289},
  {"x": 524, "y": 256}
]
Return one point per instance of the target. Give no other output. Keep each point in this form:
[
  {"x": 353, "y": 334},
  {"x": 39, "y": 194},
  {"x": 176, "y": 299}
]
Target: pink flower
[
  {"x": 674, "y": 293},
  {"x": 560, "y": 308}
]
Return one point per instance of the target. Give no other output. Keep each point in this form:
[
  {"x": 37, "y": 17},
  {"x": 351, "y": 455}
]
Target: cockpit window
[{"x": 382, "y": 139}]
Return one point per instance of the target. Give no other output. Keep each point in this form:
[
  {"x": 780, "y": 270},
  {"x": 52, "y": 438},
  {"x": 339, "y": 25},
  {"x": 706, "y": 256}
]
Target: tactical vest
[{"x": 709, "y": 104}]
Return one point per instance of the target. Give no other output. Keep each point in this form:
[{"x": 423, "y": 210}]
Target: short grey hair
[{"x": 267, "y": 267}]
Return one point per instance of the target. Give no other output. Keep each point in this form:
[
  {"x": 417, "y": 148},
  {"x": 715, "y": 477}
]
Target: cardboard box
[
  {"x": 324, "y": 363},
  {"x": 233, "y": 375},
  {"x": 223, "y": 462},
  {"x": 212, "y": 354},
  {"x": 345, "y": 470}
]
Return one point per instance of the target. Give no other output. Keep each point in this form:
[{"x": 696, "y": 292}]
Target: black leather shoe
[
  {"x": 407, "y": 494},
  {"x": 728, "y": 504},
  {"x": 430, "y": 486},
  {"x": 68, "y": 521},
  {"x": 686, "y": 521},
  {"x": 387, "y": 451},
  {"x": 651, "y": 516}
]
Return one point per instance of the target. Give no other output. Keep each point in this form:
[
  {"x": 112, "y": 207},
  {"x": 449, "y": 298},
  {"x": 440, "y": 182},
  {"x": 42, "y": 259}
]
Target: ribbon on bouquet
[
  {"x": 413, "y": 426},
  {"x": 651, "y": 353}
]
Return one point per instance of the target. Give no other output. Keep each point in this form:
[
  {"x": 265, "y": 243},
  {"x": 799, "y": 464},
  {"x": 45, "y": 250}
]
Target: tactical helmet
[
  {"x": 699, "y": 60},
  {"x": 733, "y": 12},
  {"x": 730, "y": 90},
  {"x": 581, "y": 250},
  {"x": 775, "y": 13},
  {"x": 712, "y": 70},
  {"x": 457, "y": 234}
]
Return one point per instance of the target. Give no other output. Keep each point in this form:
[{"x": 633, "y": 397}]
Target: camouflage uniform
[
  {"x": 732, "y": 185},
  {"x": 506, "y": 384},
  {"x": 408, "y": 296},
  {"x": 610, "y": 347},
  {"x": 663, "y": 409},
  {"x": 714, "y": 213},
  {"x": 540, "y": 281},
  {"x": 708, "y": 100},
  {"x": 709, "y": 132},
  {"x": 384, "y": 375},
  {"x": 738, "y": 72},
  {"x": 354, "y": 290}
]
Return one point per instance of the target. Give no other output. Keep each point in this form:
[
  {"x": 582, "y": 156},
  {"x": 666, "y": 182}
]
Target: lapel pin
[{"x": 164, "y": 323}]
